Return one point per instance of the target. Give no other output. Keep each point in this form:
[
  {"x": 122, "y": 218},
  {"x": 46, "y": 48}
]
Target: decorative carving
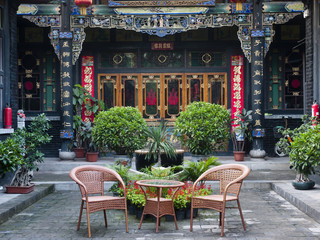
[{"x": 170, "y": 3}]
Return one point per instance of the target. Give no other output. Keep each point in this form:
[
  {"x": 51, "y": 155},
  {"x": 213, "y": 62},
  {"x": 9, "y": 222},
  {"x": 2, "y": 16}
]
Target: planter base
[
  {"x": 303, "y": 185},
  {"x": 20, "y": 190},
  {"x": 239, "y": 155},
  {"x": 92, "y": 156}
]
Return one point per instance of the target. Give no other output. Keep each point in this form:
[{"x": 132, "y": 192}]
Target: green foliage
[
  {"x": 10, "y": 156},
  {"x": 86, "y": 133},
  {"x": 124, "y": 173},
  {"x": 122, "y": 129},
  {"x": 158, "y": 142},
  {"x": 83, "y": 99},
  {"x": 305, "y": 152},
  {"x": 203, "y": 127},
  {"x": 193, "y": 170},
  {"x": 242, "y": 130},
  {"x": 32, "y": 137}
]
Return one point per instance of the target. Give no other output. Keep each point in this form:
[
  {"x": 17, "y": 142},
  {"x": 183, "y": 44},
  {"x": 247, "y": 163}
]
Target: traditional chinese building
[{"x": 160, "y": 56}]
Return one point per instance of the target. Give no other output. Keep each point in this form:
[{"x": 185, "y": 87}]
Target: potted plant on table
[
  {"x": 241, "y": 132},
  {"x": 304, "y": 152},
  {"x": 122, "y": 129},
  {"x": 29, "y": 139},
  {"x": 203, "y": 128}
]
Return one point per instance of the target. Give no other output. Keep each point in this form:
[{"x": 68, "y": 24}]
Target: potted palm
[
  {"x": 241, "y": 132},
  {"x": 122, "y": 129},
  {"x": 29, "y": 139},
  {"x": 203, "y": 128}
]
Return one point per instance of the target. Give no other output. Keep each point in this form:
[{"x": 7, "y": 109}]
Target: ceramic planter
[
  {"x": 92, "y": 156},
  {"x": 239, "y": 155},
  {"x": 303, "y": 185},
  {"x": 66, "y": 155},
  {"x": 20, "y": 190},
  {"x": 79, "y": 152}
]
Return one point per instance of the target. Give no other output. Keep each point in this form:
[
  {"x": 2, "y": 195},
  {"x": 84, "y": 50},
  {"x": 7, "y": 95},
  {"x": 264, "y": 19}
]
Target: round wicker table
[{"x": 159, "y": 206}]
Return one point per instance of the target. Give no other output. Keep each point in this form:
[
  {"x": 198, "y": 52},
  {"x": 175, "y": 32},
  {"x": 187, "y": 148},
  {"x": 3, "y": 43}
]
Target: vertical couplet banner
[
  {"x": 236, "y": 87},
  {"x": 87, "y": 68}
]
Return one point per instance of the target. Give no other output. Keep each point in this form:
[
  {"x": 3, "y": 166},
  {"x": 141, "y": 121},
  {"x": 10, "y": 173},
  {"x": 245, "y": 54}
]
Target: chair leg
[
  {"x": 191, "y": 219},
  {"x": 222, "y": 218},
  {"x": 105, "y": 218},
  {"x": 242, "y": 219},
  {"x": 81, "y": 208},
  {"x": 126, "y": 216},
  {"x": 88, "y": 221}
]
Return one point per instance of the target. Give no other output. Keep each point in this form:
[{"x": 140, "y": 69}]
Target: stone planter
[
  {"x": 66, "y": 155},
  {"x": 20, "y": 190},
  {"x": 143, "y": 162}
]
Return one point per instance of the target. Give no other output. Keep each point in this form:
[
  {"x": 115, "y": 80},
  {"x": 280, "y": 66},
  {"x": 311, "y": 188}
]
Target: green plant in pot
[
  {"x": 122, "y": 129},
  {"x": 304, "y": 151},
  {"x": 82, "y": 99},
  {"x": 10, "y": 159},
  {"x": 203, "y": 128},
  {"x": 30, "y": 140},
  {"x": 158, "y": 143},
  {"x": 241, "y": 132},
  {"x": 89, "y": 143}
]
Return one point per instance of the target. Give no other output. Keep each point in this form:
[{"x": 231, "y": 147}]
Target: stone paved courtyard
[{"x": 267, "y": 216}]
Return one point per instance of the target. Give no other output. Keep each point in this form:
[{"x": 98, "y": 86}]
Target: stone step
[{"x": 56, "y": 165}]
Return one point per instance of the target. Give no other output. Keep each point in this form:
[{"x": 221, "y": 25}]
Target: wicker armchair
[
  {"x": 91, "y": 183},
  {"x": 230, "y": 177}
]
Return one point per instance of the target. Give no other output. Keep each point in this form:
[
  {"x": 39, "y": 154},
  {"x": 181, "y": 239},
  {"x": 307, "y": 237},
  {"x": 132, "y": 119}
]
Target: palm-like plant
[
  {"x": 191, "y": 171},
  {"x": 158, "y": 142}
]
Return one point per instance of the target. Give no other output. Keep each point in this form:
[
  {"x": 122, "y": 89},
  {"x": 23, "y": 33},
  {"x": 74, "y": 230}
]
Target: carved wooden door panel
[
  {"x": 107, "y": 92},
  {"x": 173, "y": 94},
  {"x": 151, "y": 96},
  {"x": 217, "y": 88},
  {"x": 195, "y": 83},
  {"x": 129, "y": 90}
]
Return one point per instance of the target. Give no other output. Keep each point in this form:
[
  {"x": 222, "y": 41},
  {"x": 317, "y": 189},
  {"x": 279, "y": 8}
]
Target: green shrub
[
  {"x": 305, "y": 151},
  {"x": 203, "y": 127},
  {"x": 10, "y": 156},
  {"x": 122, "y": 129}
]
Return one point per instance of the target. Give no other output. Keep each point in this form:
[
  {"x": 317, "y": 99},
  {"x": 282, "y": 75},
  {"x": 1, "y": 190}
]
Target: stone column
[{"x": 257, "y": 60}]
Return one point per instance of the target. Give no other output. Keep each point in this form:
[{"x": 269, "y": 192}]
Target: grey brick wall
[{"x": 309, "y": 66}]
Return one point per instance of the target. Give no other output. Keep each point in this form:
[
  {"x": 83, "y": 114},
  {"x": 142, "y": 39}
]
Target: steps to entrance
[{"x": 263, "y": 172}]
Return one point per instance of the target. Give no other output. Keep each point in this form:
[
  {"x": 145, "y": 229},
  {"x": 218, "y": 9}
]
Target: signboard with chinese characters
[
  {"x": 236, "y": 87},
  {"x": 162, "y": 46},
  {"x": 87, "y": 72}
]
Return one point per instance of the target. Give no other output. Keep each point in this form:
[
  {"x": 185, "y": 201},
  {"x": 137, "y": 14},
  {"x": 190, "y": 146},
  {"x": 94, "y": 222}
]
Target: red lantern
[
  {"x": 7, "y": 117},
  {"x": 83, "y": 4}
]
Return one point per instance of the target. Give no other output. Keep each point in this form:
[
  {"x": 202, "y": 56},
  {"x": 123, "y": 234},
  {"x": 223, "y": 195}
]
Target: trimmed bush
[
  {"x": 122, "y": 129},
  {"x": 203, "y": 127}
]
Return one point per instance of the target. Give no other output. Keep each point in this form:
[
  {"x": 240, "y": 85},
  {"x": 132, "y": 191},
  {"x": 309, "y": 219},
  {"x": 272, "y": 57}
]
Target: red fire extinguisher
[
  {"x": 315, "y": 109},
  {"x": 7, "y": 117}
]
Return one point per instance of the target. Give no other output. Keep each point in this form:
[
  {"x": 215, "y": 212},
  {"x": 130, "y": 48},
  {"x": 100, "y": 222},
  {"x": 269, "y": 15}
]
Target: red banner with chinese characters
[
  {"x": 236, "y": 87},
  {"x": 87, "y": 73}
]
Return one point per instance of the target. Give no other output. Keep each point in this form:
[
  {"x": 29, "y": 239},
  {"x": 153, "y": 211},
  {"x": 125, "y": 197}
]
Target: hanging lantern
[{"x": 83, "y": 4}]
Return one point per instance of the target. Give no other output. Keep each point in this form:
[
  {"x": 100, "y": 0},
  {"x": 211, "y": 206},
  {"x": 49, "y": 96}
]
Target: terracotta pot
[
  {"x": 92, "y": 156},
  {"x": 239, "y": 155},
  {"x": 79, "y": 152},
  {"x": 20, "y": 190}
]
